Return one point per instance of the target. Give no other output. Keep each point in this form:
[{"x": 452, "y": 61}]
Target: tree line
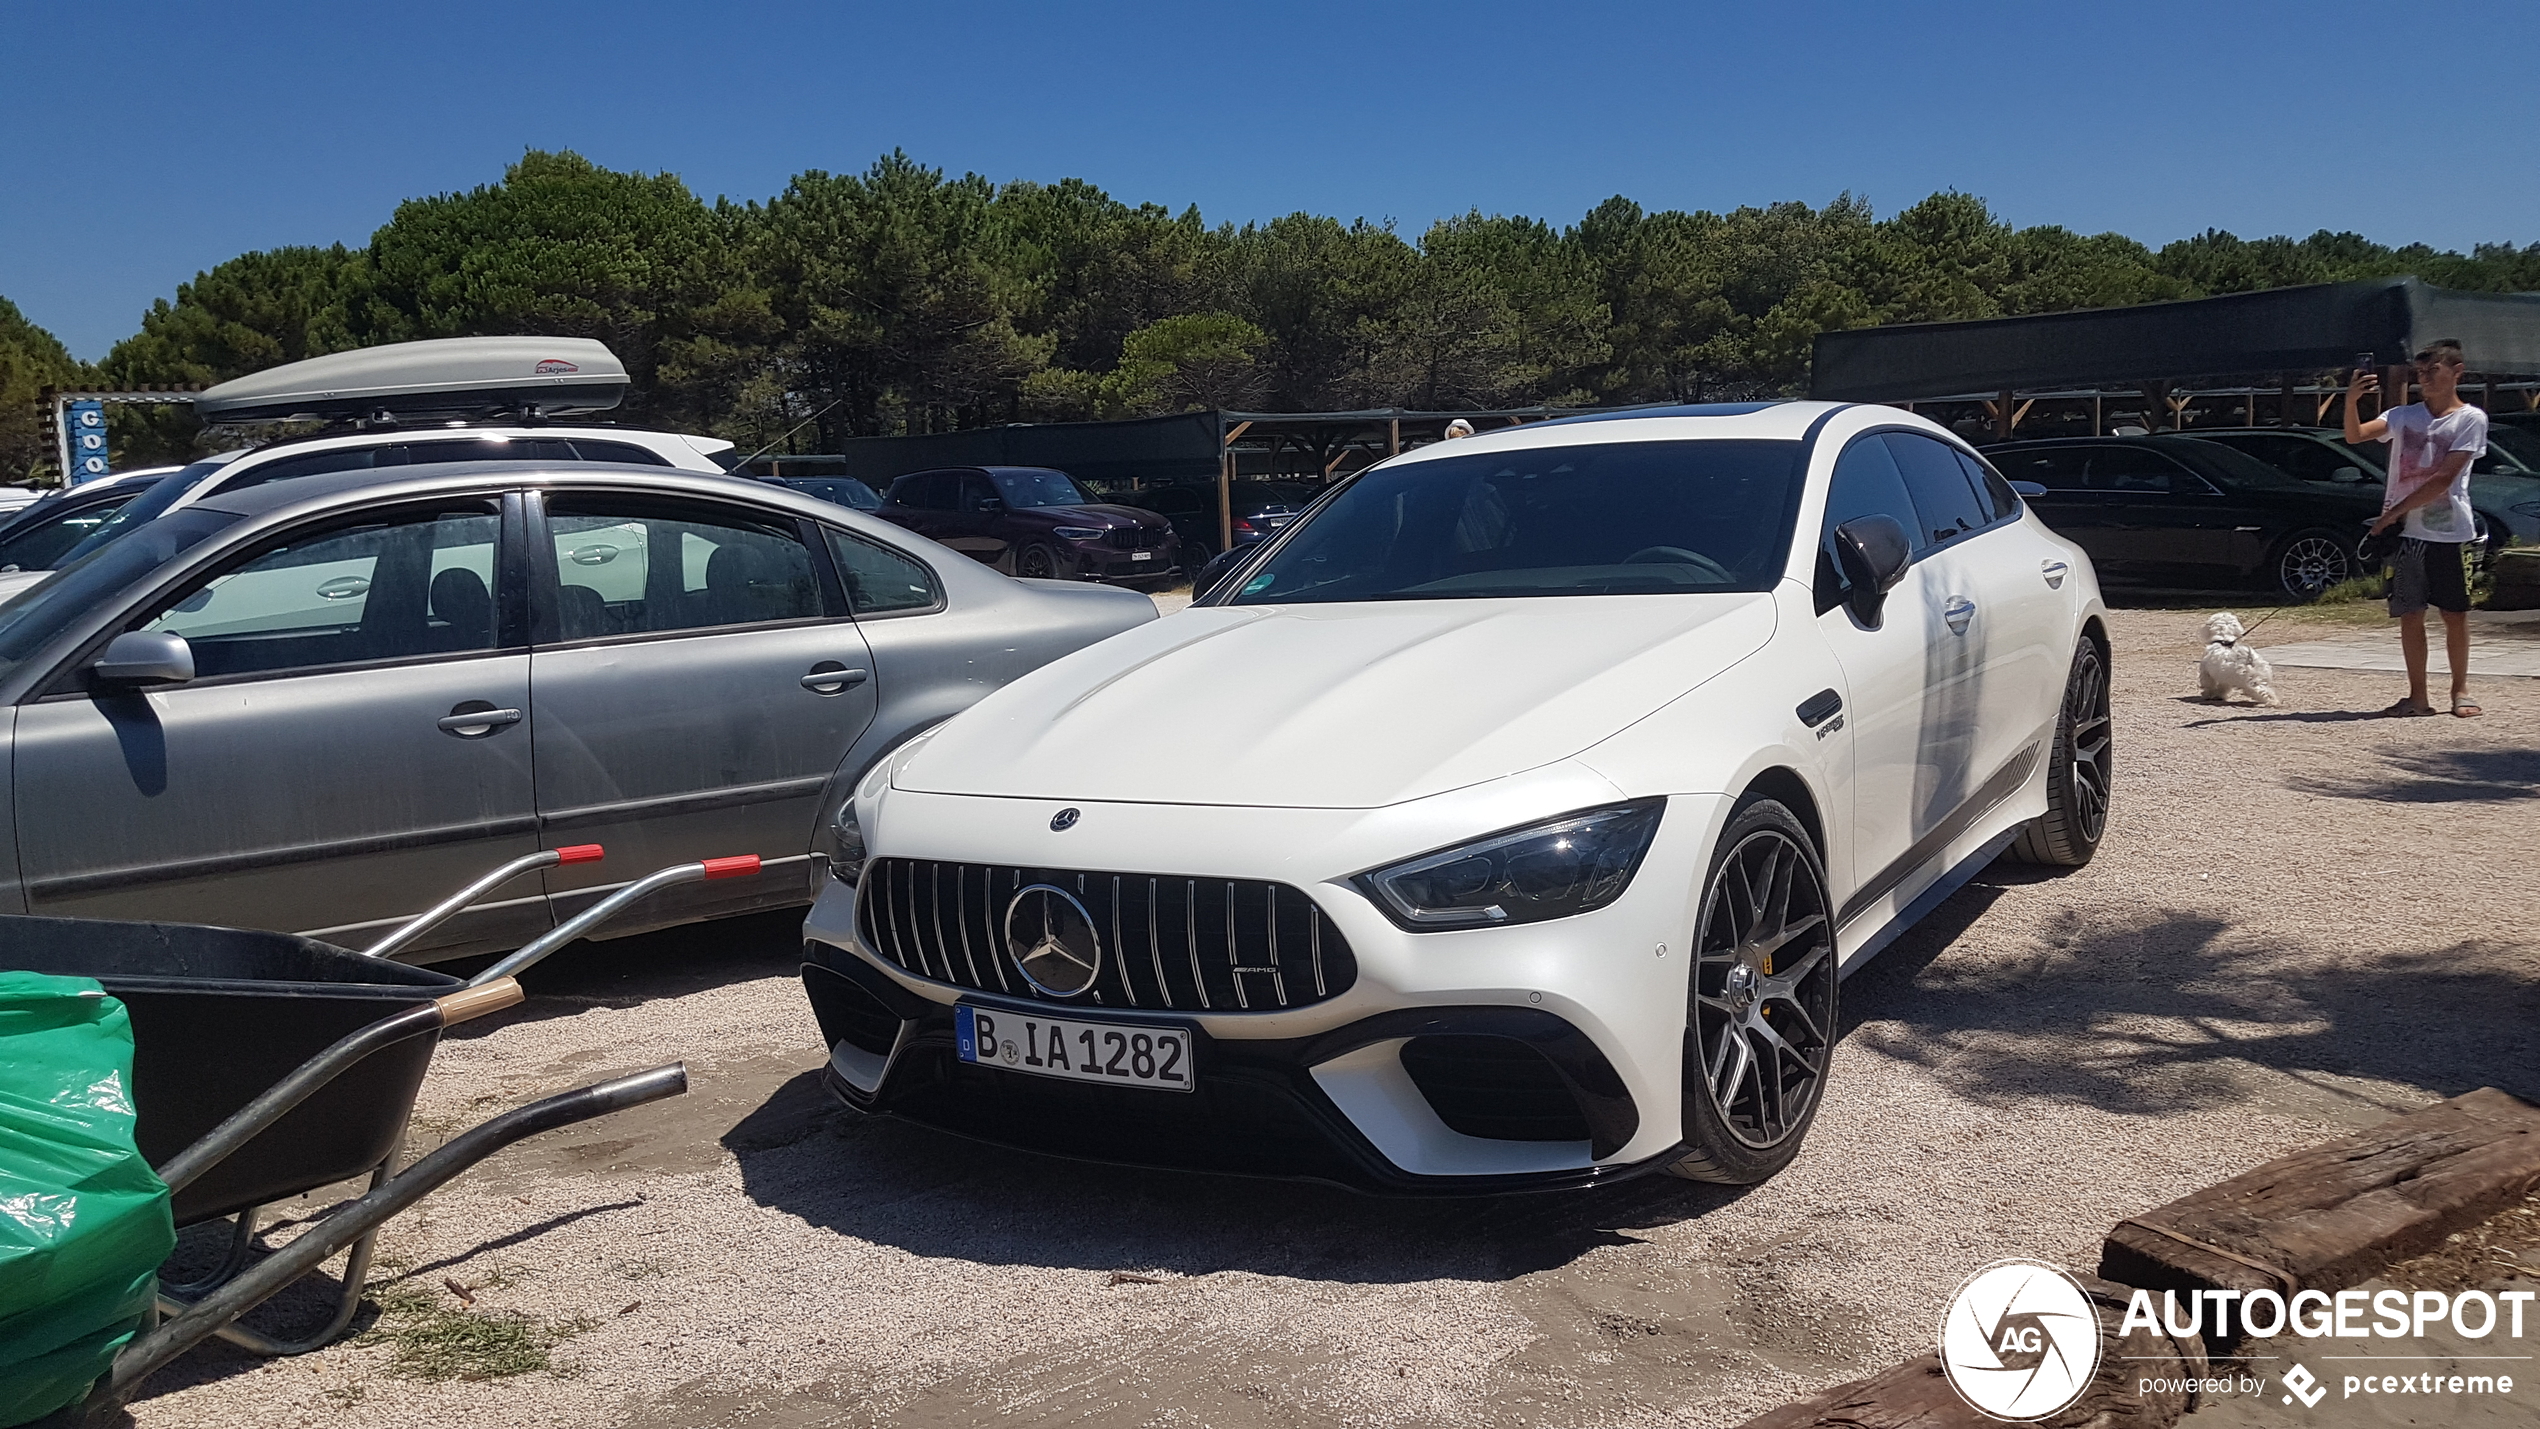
[{"x": 900, "y": 300}]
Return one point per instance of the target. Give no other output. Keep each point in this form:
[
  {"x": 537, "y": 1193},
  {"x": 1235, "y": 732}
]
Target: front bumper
[{"x": 1471, "y": 1062}]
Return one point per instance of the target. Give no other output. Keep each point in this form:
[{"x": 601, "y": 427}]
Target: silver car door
[
  {"x": 695, "y": 682},
  {"x": 320, "y": 773}
]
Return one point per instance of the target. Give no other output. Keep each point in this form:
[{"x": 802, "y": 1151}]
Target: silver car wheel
[{"x": 1763, "y": 990}]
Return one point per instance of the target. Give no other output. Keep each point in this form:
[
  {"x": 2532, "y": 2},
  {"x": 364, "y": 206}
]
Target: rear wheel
[
  {"x": 2077, "y": 782},
  {"x": 2311, "y": 561},
  {"x": 1760, "y": 1012}
]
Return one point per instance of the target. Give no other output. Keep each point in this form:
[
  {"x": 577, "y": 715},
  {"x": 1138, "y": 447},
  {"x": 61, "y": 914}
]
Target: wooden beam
[
  {"x": 1393, "y": 437},
  {"x": 2002, "y": 416}
]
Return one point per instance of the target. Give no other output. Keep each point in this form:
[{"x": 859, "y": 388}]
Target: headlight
[
  {"x": 1078, "y": 533},
  {"x": 846, "y": 845},
  {"x": 1574, "y": 864}
]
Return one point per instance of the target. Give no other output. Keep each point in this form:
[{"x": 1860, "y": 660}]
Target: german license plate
[
  {"x": 1142, "y": 555},
  {"x": 1158, "y": 1057}
]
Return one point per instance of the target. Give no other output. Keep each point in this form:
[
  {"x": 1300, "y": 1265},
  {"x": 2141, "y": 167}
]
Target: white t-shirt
[{"x": 2419, "y": 442}]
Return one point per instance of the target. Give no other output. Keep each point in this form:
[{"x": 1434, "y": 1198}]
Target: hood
[
  {"x": 1337, "y": 706},
  {"x": 1095, "y": 512}
]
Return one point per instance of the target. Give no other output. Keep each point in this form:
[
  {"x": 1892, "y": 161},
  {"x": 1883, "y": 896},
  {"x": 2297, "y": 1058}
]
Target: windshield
[
  {"x": 149, "y": 505},
  {"x": 1610, "y": 518},
  {"x": 43, "y": 611},
  {"x": 1038, "y": 488}
]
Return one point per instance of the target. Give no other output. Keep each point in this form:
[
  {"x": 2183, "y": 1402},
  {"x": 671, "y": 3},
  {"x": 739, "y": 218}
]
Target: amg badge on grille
[{"x": 1051, "y": 938}]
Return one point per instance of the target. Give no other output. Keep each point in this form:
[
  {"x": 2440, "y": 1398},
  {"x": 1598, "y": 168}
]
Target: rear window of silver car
[{"x": 1611, "y": 518}]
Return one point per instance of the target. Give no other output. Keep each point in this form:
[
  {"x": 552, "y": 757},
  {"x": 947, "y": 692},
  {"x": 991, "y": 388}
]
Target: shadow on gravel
[
  {"x": 937, "y": 1195},
  {"x": 2451, "y": 776},
  {"x": 2162, "y": 1013},
  {"x": 2284, "y": 717}
]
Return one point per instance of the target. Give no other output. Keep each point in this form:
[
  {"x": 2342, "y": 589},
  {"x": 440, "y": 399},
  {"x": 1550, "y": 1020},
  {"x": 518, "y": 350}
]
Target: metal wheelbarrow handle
[
  {"x": 441, "y": 912},
  {"x": 353, "y": 1221},
  {"x": 737, "y": 866}
]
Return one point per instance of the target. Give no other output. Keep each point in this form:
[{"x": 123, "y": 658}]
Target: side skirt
[{"x": 1931, "y": 898}]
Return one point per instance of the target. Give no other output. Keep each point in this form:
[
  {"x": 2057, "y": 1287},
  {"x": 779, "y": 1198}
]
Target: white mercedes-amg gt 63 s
[{"x": 1506, "y": 822}]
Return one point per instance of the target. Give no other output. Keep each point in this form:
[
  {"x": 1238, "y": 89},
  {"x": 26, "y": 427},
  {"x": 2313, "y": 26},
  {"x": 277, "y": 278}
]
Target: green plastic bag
[{"x": 83, "y": 1222}]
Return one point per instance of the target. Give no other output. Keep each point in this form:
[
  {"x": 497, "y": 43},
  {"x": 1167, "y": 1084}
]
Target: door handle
[
  {"x": 475, "y": 723},
  {"x": 1958, "y": 612},
  {"x": 2054, "y": 571},
  {"x": 831, "y": 678}
]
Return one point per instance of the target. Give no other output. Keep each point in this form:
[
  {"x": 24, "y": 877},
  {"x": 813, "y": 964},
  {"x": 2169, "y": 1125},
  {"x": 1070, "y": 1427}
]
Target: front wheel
[
  {"x": 2309, "y": 562},
  {"x": 2077, "y": 783},
  {"x": 1760, "y": 1011},
  {"x": 1036, "y": 563}
]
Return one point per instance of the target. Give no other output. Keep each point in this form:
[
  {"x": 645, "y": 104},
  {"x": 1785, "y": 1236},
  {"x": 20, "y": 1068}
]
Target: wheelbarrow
[{"x": 268, "y": 1065}]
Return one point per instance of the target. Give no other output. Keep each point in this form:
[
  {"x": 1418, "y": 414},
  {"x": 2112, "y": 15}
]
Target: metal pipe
[
  {"x": 456, "y": 903},
  {"x": 174, "y": 1337},
  {"x": 741, "y": 866}
]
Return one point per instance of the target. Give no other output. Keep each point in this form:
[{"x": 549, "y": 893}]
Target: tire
[
  {"x": 2309, "y": 562},
  {"x": 1745, "y": 1111},
  {"x": 2077, "y": 772},
  {"x": 1036, "y": 563}
]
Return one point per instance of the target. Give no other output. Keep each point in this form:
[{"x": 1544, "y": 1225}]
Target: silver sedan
[{"x": 318, "y": 706}]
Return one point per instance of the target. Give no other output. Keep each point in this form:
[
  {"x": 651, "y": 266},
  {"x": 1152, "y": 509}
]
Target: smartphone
[{"x": 2364, "y": 362}]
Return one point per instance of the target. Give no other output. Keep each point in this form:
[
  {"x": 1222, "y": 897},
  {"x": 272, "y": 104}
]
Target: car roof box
[{"x": 440, "y": 377}]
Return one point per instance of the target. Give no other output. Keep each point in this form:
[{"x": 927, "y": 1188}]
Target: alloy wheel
[
  {"x": 1035, "y": 564},
  {"x": 2311, "y": 565},
  {"x": 1763, "y": 990},
  {"x": 2086, "y": 717}
]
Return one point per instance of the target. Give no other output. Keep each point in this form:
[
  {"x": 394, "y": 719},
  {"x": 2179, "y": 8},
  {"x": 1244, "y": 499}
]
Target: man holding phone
[{"x": 2432, "y": 443}]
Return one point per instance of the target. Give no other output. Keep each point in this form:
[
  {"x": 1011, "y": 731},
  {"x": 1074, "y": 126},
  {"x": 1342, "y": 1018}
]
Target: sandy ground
[{"x": 2302, "y": 920}]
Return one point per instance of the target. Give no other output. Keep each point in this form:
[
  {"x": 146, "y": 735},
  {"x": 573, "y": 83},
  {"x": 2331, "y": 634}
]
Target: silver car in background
[{"x": 317, "y": 706}]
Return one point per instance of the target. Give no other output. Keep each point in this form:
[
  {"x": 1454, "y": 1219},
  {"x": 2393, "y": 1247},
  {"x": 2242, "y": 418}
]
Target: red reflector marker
[
  {"x": 581, "y": 853},
  {"x": 740, "y": 865}
]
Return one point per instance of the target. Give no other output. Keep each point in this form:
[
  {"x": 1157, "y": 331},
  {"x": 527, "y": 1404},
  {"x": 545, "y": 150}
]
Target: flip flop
[
  {"x": 2465, "y": 707},
  {"x": 2406, "y": 709}
]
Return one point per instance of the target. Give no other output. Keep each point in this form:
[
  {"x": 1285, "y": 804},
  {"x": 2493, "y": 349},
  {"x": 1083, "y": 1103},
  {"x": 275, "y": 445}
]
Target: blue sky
[{"x": 142, "y": 142}]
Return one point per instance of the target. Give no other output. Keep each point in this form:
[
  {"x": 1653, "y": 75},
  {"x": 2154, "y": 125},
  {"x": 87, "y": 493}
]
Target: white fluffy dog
[{"x": 2230, "y": 667}]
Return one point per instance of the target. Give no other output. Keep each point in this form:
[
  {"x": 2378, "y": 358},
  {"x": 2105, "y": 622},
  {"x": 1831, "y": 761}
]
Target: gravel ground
[{"x": 2301, "y": 921}]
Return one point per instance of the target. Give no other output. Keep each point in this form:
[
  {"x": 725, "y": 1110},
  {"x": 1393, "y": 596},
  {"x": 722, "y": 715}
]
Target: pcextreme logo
[{"x": 2020, "y": 1341}]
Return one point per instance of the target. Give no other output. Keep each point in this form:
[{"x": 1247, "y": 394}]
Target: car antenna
[{"x": 789, "y": 431}]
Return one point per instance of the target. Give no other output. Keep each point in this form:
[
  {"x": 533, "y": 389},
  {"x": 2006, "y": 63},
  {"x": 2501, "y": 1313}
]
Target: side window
[
  {"x": 2056, "y": 468},
  {"x": 1866, "y": 483},
  {"x": 2130, "y": 469},
  {"x": 976, "y": 493},
  {"x": 880, "y": 580},
  {"x": 1944, "y": 498},
  {"x": 918, "y": 493},
  {"x": 40, "y": 546},
  {"x": 402, "y": 588},
  {"x": 1997, "y": 493},
  {"x": 633, "y": 567},
  {"x": 312, "y": 464},
  {"x": 624, "y": 453}
]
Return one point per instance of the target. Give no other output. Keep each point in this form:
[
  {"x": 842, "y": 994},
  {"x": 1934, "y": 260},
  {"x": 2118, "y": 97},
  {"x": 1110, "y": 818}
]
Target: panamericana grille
[
  {"x": 1136, "y": 538},
  {"x": 1170, "y": 943}
]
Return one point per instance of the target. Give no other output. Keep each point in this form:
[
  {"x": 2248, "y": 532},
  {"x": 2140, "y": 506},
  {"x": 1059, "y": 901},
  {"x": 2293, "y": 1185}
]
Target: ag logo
[{"x": 2020, "y": 1341}]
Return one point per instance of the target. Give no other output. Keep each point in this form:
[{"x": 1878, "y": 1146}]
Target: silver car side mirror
[{"x": 144, "y": 657}]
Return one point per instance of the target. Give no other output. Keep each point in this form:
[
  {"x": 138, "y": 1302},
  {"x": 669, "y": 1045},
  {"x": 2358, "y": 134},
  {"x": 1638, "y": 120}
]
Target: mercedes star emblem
[
  {"x": 1051, "y": 938},
  {"x": 1063, "y": 820}
]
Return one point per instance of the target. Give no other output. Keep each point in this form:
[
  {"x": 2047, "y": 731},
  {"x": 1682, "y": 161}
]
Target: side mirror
[
  {"x": 2347, "y": 475},
  {"x": 987, "y": 505},
  {"x": 144, "y": 657},
  {"x": 2028, "y": 490},
  {"x": 1874, "y": 552}
]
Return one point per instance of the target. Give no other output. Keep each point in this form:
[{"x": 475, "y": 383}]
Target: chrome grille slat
[{"x": 1255, "y": 966}]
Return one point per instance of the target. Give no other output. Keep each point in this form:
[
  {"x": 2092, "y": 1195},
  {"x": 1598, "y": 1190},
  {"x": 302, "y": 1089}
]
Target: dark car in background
[
  {"x": 1034, "y": 521},
  {"x": 2504, "y": 487},
  {"x": 2185, "y": 512},
  {"x": 35, "y": 537},
  {"x": 1262, "y": 509}
]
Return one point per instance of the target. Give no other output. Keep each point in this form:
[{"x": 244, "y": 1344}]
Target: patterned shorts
[{"x": 2428, "y": 573}]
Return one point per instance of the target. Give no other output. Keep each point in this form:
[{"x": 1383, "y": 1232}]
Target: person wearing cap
[
  {"x": 2432, "y": 443},
  {"x": 1458, "y": 428}
]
